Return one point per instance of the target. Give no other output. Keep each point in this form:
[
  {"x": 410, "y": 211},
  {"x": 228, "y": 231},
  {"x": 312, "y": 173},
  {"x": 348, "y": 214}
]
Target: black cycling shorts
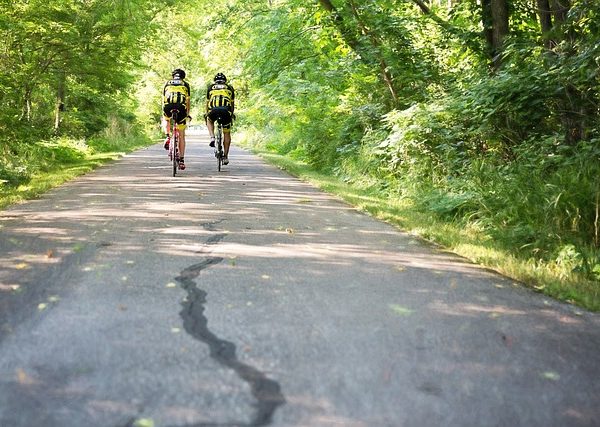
[
  {"x": 222, "y": 114},
  {"x": 180, "y": 115}
]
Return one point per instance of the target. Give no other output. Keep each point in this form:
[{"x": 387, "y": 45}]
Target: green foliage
[
  {"x": 28, "y": 169},
  {"x": 87, "y": 50}
]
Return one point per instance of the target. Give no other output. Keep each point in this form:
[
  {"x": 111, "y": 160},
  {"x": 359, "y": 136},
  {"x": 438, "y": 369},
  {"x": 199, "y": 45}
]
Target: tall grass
[{"x": 30, "y": 166}]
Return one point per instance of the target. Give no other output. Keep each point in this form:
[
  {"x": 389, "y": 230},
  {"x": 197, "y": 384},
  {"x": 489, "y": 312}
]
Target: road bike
[
  {"x": 174, "y": 141},
  {"x": 219, "y": 145}
]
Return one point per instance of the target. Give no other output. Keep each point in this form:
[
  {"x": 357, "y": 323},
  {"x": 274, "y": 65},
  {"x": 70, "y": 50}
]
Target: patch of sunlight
[
  {"x": 144, "y": 422},
  {"x": 551, "y": 375},
  {"x": 10, "y": 287},
  {"x": 400, "y": 310}
]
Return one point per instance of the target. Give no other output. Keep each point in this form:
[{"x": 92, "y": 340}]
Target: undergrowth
[{"x": 29, "y": 168}]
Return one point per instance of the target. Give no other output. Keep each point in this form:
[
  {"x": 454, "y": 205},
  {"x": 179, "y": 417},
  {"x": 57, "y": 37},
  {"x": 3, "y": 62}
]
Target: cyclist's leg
[
  {"x": 165, "y": 125},
  {"x": 181, "y": 125},
  {"x": 210, "y": 125},
  {"x": 181, "y": 142},
  {"x": 226, "y": 141},
  {"x": 227, "y": 122}
]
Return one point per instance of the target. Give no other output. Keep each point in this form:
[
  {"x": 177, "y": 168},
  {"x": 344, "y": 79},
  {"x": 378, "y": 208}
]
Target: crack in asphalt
[{"x": 266, "y": 391}]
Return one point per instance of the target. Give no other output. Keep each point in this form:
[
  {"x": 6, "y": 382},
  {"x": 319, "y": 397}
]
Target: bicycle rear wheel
[
  {"x": 175, "y": 158},
  {"x": 219, "y": 141}
]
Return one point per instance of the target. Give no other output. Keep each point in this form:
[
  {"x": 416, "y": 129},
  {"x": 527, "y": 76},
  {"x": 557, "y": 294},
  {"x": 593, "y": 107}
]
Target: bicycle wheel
[
  {"x": 175, "y": 151},
  {"x": 219, "y": 141}
]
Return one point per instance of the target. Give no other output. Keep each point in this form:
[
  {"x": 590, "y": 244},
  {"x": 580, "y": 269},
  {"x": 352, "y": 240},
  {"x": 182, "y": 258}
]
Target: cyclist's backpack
[{"x": 175, "y": 92}]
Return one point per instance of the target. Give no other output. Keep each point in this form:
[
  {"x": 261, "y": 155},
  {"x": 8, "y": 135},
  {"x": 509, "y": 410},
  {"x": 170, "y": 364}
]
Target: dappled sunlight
[
  {"x": 36, "y": 231},
  {"x": 348, "y": 253},
  {"x": 554, "y": 316},
  {"x": 467, "y": 309}
]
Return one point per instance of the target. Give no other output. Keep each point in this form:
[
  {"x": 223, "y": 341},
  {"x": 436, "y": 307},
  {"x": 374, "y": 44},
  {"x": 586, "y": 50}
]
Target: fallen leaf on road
[
  {"x": 42, "y": 306},
  {"x": 551, "y": 375},
  {"x": 143, "y": 422},
  {"x": 400, "y": 310},
  {"x": 49, "y": 253},
  {"x": 21, "y": 266},
  {"x": 23, "y": 378}
]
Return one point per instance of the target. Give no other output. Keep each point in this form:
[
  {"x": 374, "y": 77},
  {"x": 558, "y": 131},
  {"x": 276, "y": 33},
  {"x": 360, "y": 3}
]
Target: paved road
[{"x": 251, "y": 298}]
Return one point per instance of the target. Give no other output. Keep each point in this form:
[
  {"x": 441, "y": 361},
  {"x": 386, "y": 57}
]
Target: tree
[{"x": 495, "y": 27}]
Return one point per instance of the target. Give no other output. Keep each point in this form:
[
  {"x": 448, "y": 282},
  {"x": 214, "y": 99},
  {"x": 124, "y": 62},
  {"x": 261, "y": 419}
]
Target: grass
[
  {"x": 39, "y": 167},
  {"x": 468, "y": 242}
]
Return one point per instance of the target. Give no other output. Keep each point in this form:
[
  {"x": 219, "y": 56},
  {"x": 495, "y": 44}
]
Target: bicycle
[
  {"x": 219, "y": 145},
  {"x": 174, "y": 141}
]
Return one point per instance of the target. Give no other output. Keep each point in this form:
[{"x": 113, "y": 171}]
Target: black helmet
[
  {"x": 178, "y": 72},
  {"x": 220, "y": 77}
]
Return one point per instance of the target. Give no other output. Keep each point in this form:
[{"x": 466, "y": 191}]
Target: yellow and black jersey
[
  {"x": 220, "y": 95},
  {"x": 176, "y": 91}
]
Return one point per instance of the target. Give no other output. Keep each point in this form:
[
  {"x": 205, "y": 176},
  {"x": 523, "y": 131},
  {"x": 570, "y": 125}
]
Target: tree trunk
[
  {"x": 26, "y": 112},
  {"x": 60, "y": 101},
  {"x": 545, "y": 15},
  {"x": 494, "y": 17},
  {"x": 488, "y": 26}
]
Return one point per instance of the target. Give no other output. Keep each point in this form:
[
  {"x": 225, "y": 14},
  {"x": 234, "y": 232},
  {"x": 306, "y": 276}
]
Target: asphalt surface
[{"x": 248, "y": 298}]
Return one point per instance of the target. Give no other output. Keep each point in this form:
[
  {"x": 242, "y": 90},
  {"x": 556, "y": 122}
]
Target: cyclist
[
  {"x": 220, "y": 104},
  {"x": 176, "y": 96}
]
